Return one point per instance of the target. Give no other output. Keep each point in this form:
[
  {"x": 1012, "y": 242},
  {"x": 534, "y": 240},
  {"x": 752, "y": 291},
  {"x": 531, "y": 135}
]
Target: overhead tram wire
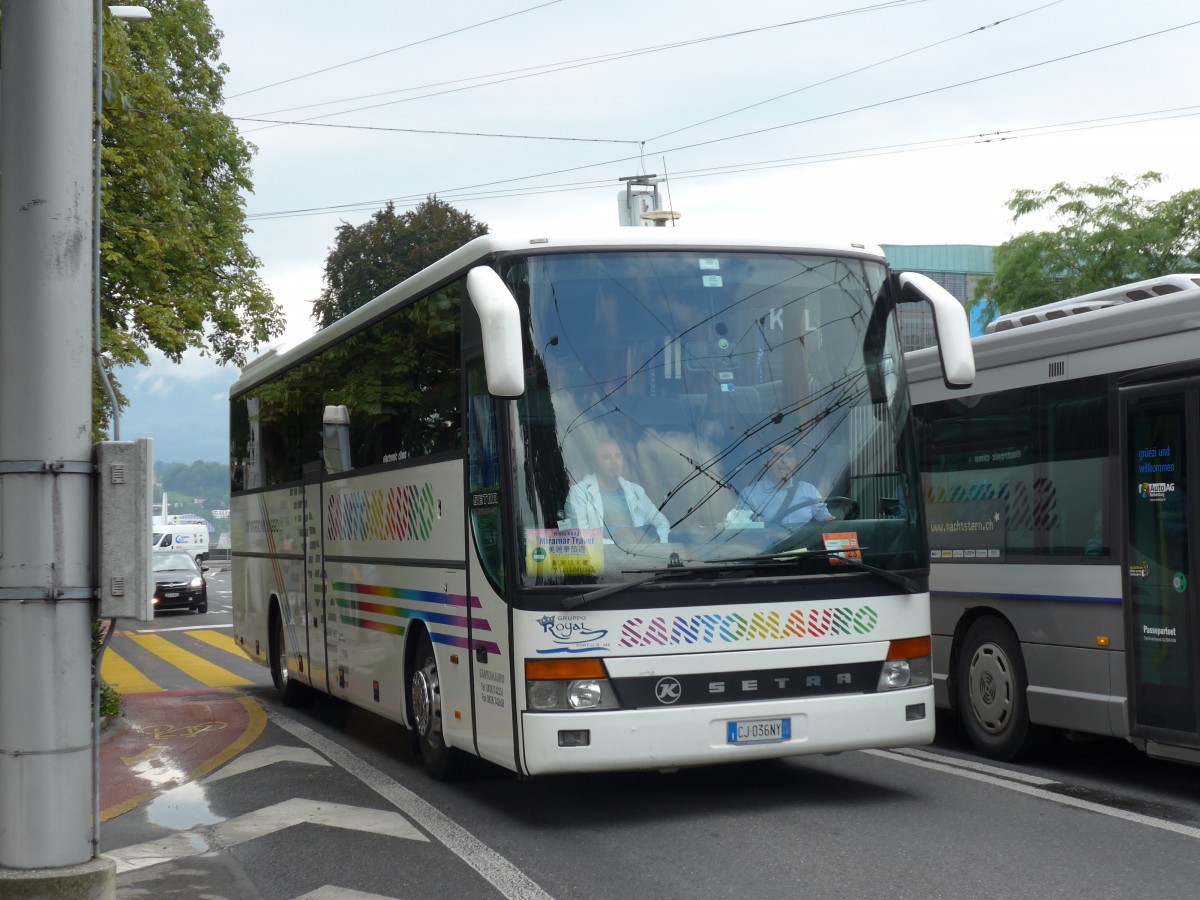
[
  {"x": 876, "y": 105},
  {"x": 554, "y": 68},
  {"x": 427, "y": 40},
  {"x": 932, "y": 91},
  {"x": 1033, "y": 131},
  {"x": 857, "y": 71},
  {"x": 487, "y": 134}
]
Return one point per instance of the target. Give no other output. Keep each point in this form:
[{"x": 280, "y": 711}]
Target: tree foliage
[
  {"x": 368, "y": 259},
  {"x": 1107, "y": 234},
  {"x": 176, "y": 270}
]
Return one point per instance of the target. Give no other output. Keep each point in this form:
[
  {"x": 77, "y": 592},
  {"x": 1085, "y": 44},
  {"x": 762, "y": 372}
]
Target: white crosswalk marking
[{"x": 258, "y": 824}]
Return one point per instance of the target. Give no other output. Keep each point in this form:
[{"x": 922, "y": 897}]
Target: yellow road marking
[
  {"x": 123, "y": 677},
  {"x": 254, "y": 727},
  {"x": 143, "y": 756},
  {"x": 220, "y": 641},
  {"x": 189, "y": 663}
]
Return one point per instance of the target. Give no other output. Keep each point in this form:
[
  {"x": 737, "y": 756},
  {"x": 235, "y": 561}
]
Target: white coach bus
[
  {"x": 1056, "y": 495},
  {"x": 420, "y": 524}
]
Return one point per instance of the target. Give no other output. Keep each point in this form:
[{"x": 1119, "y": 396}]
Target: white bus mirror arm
[
  {"x": 950, "y": 324},
  {"x": 501, "y": 322}
]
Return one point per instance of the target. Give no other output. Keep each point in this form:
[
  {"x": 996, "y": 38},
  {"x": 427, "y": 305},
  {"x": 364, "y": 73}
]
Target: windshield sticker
[
  {"x": 712, "y": 281},
  {"x": 710, "y": 264},
  {"x": 564, "y": 551},
  {"x": 842, "y": 545}
]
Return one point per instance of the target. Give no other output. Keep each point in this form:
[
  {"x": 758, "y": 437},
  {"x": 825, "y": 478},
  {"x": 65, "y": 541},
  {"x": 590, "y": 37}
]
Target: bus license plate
[{"x": 759, "y": 731}]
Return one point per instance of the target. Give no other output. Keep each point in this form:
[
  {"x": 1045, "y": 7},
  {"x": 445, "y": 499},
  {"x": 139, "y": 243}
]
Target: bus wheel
[
  {"x": 991, "y": 685},
  {"x": 425, "y": 696},
  {"x": 291, "y": 692}
]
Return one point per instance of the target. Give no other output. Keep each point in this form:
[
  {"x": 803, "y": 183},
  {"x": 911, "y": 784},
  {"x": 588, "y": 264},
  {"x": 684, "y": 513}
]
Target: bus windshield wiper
[
  {"x": 785, "y": 557},
  {"x": 647, "y": 575}
]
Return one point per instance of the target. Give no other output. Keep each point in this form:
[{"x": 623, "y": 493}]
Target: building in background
[{"x": 956, "y": 267}]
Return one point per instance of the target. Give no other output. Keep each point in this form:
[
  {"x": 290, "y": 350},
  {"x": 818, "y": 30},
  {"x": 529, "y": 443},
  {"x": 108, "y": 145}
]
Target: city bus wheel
[
  {"x": 425, "y": 698},
  {"x": 991, "y": 688},
  {"x": 291, "y": 692}
]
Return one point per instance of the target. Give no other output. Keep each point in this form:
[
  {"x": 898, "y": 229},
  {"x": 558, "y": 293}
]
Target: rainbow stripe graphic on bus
[
  {"x": 404, "y": 513},
  {"x": 390, "y": 610}
]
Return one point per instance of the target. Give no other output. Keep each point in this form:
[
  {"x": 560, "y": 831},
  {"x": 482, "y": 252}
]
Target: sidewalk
[{"x": 168, "y": 738}]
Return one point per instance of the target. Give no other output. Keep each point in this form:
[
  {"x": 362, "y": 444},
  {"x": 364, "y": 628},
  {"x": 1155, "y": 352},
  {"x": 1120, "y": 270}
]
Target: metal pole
[{"x": 46, "y": 568}]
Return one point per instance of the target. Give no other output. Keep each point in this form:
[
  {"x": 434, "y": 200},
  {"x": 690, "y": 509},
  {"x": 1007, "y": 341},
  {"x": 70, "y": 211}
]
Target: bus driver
[{"x": 780, "y": 496}]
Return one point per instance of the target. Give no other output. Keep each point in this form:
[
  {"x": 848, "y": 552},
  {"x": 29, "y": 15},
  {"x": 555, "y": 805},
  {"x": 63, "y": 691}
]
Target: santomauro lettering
[{"x": 771, "y": 625}]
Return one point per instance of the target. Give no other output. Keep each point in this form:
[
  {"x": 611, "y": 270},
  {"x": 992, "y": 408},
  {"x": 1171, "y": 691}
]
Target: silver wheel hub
[
  {"x": 992, "y": 688},
  {"x": 427, "y": 703}
]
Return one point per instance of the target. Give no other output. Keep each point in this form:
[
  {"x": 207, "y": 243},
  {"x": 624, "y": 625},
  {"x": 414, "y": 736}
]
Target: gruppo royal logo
[
  {"x": 571, "y": 634},
  {"x": 712, "y": 628},
  {"x": 391, "y": 514}
]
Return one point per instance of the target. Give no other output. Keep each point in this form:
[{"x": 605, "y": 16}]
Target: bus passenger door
[
  {"x": 1159, "y": 441},
  {"x": 493, "y": 671},
  {"x": 314, "y": 577}
]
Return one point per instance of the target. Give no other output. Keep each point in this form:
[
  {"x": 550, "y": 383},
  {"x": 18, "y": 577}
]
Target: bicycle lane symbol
[{"x": 193, "y": 730}]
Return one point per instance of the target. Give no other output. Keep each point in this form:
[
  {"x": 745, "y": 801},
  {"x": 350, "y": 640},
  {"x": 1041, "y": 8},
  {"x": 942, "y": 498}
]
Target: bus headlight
[
  {"x": 568, "y": 685},
  {"x": 908, "y": 664},
  {"x": 586, "y": 694}
]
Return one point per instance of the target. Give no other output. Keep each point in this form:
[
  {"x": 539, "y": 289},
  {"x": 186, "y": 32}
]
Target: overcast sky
[{"x": 890, "y": 122}]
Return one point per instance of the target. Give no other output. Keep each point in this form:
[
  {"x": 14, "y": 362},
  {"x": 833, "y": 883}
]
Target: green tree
[
  {"x": 176, "y": 270},
  {"x": 1105, "y": 235},
  {"x": 368, "y": 259}
]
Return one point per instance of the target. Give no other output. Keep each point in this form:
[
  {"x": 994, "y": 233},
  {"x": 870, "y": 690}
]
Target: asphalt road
[{"x": 327, "y": 801}]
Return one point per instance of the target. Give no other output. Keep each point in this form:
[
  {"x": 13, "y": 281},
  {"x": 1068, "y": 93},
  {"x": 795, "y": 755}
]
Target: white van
[{"x": 190, "y": 537}]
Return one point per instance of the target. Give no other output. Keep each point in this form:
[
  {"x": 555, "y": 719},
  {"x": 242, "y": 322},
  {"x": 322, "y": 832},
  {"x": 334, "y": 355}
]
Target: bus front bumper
[{"x": 668, "y": 738}]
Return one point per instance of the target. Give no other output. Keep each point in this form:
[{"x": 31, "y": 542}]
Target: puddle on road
[{"x": 182, "y": 808}]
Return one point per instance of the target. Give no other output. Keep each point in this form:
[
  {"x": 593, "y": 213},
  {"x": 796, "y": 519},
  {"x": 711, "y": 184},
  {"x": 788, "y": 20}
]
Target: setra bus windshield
[{"x": 708, "y": 409}]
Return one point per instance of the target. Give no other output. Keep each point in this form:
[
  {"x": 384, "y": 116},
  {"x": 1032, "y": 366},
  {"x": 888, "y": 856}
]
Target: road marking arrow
[
  {"x": 258, "y": 824},
  {"x": 248, "y": 762},
  {"x": 329, "y": 892}
]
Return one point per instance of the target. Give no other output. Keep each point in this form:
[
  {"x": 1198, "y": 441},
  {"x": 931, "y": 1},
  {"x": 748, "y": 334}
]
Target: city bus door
[{"x": 1160, "y": 436}]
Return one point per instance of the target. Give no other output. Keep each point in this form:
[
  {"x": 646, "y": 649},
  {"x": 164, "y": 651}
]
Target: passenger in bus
[
  {"x": 605, "y": 499},
  {"x": 780, "y": 497}
]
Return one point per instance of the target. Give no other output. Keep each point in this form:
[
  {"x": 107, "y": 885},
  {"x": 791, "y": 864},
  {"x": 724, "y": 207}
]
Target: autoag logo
[
  {"x": 668, "y": 690},
  {"x": 1155, "y": 492}
]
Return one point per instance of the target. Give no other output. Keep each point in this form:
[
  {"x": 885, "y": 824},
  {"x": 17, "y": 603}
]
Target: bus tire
[
  {"x": 425, "y": 713},
  {"x": 291, "y": 692},
  {"x": 991, "y": 687}
]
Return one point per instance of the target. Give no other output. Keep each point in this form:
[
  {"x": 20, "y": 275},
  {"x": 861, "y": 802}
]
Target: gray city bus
[{"x": 1063, "y": 570}]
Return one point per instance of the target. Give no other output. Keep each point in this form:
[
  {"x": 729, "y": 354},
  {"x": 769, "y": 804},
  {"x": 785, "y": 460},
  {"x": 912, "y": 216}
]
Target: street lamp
[{"x": 121, "y": 12}]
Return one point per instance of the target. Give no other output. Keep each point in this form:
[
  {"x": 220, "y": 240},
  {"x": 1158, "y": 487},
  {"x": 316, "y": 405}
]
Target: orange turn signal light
[
  {"x": 910, "y": 648},
  {"x": 564, "y": 669}
]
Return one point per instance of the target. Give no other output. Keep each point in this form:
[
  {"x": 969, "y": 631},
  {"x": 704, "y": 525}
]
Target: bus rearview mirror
[
  {"x": 501, "y": 322},
  {"x": 950, "y": 325}
]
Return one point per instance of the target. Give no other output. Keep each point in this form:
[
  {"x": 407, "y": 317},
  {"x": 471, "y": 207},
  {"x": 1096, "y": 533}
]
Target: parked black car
[{"x": 178, "y": 582}]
